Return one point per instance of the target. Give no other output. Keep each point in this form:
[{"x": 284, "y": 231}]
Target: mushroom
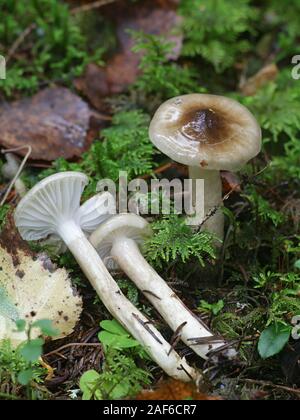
[
  {"x": 208, "y": 133},
  {"x": 52, "y": 207},
  {"x": 91, "y": 214},
  {"x": 32, "y": 289},
  {"x": 117, "y": 240}
]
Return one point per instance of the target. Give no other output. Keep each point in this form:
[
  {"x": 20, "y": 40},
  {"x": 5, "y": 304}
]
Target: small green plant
[
  {"x": 262, "y": 208},
  {"x": 214, "y": 308},
  {"x": 159, "y": 76},
  {"x": 273, "y": 339},
  {"x": 120, "y": 377},
  {"x": 216, "y": 32},
  {"x": 3, "y": 213},
  {"x": 273, "y": 104},
  {"x": 55, "y": 47},
  {"x": 20, "y": 368},
  {"x": 174, "y": 240},
  {"x": 124, "y": 146},
  {"x": 32, "y": 349}
]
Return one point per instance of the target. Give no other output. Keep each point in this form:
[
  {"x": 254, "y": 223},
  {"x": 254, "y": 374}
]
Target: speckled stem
[
  {"x": 121, "y": 308},
  {"x": 212, "y": 199},
  {"x": 188, "y": 326}
]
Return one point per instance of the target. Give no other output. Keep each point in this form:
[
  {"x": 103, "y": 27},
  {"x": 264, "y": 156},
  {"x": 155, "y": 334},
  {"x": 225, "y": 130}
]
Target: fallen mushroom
[
  {"x": 117, "y": 240},
  {"x": 32, "y": 289},
  {"x": 90, "y": 215},
  {"x": 208, "y": 133},
  {"x": 52, "y": 207}
]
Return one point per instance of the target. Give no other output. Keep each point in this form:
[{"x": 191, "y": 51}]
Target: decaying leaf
[
  {"x": 268, "y": 73},
  {"x": 31, "y": 289},
  {"x": 153, "y": 17},
  {"x": 55, "y": 123},
  {"x": 230, "y": 182},
  {"x": 175, "y": 390}
]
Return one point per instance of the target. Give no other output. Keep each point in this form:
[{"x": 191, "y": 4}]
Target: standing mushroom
[
  {"x": 117, "y": 241},
  {"x": 208, "y": 133},
  {"x": 52, "y": 207}
]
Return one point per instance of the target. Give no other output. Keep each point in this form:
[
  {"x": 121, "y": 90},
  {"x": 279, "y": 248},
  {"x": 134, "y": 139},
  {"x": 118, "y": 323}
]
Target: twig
[
  {"x": 151, "y": 293},
  {"x": 91, "y": 6},
  {"x": 147, "y": 328},
  {"x": 271, "y": 385},
  {"x": 66, "y": 346},
  {"x": 30, "y": 28},
  {"x": 8, "y": 396},
  {"x": 29, "y": 148},
  {"x": 19, "y": 41},
  {"x": 176, "y": 337}
]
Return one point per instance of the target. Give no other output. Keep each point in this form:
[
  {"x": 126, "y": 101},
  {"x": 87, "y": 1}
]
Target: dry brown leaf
[
  {"x": 230, "y": 182},
  {"x": 175, "y": 390},
  {"x": 54, "y": 122},
  {"x": 35, "y": 288},
  {"x": 156, "y": 17},
  {"x": 268, "y": 73}
]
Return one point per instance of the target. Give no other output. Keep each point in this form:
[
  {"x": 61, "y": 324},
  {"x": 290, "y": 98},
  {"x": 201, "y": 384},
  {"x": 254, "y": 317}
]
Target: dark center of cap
[{"x": 205, "y": 126}]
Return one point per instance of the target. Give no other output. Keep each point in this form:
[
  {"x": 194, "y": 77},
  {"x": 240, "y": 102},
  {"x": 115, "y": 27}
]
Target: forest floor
[{"x": 86, "y": 78}]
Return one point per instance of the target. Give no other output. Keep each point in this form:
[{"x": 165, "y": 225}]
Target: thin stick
[
  {"x": 66, "y": 346},
  {"x": 8, "y": 396},
  {"x": 31, "y": 27},
  {"x": 147, "y": 328},
  {"x": 91, "y": 6},
  {"x": 271, "y": 385},
  {"x": 29, "y": 148},
  {"x": 19, "y": 41}
]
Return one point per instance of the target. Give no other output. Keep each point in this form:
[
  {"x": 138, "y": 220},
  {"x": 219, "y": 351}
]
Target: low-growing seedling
[{"x": 121, "y": 377}]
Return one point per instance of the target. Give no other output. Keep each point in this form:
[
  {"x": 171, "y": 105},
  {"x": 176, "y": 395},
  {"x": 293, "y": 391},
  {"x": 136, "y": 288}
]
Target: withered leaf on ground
[
  {"x": 153, "y": 17},
  {"x": 175, "y": 390},
  {"x": 33, "y": 288},
  {"x": 55, "y": 123},
  {"x": 267, "y": 74}
]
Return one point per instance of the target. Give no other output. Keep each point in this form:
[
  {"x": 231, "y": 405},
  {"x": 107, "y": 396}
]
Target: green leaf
[
  {"x": 25, "y": 377},
  {"x": 88, "y": 385},
  {"x": 46, "y": 327},
  {"x": 117, "y": 342},
  {"x": 215, "y": 308},
  {"x": 273, "y": 339},
  {"x": 21, "y": 325},
  {"x": 32, "y": 350},
  {"x": 115, "y": 336},
  {"x": 7, "y": 308},
  {"x": 297, "y": 264},
  {"x": 113, "y": 326}
]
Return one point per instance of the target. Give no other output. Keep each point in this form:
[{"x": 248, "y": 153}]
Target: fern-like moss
[{"x": 174, "y": 240}]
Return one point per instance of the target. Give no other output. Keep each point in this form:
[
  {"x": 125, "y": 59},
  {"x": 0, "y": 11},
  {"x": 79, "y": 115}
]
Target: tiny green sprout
[{"x": 214, "y": 308}]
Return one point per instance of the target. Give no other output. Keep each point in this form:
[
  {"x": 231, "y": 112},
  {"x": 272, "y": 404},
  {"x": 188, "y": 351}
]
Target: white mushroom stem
[
  {"x": 212, "y": 200},
  {"x": 187, "y": 326},
  {"x": 120, "y": 307}
]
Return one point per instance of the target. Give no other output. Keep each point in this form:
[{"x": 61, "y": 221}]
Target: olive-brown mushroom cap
[{"x": 204, "y": 130}]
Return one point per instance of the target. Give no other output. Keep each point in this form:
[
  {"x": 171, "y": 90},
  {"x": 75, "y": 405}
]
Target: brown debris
[
  {"x": 11, "y": 241},
  {"x": 174, "y": 390},
  {"x": 54, "y": 122},
  {"x": 268, "y": 73},
  {"x": 155, "y": 17}
]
